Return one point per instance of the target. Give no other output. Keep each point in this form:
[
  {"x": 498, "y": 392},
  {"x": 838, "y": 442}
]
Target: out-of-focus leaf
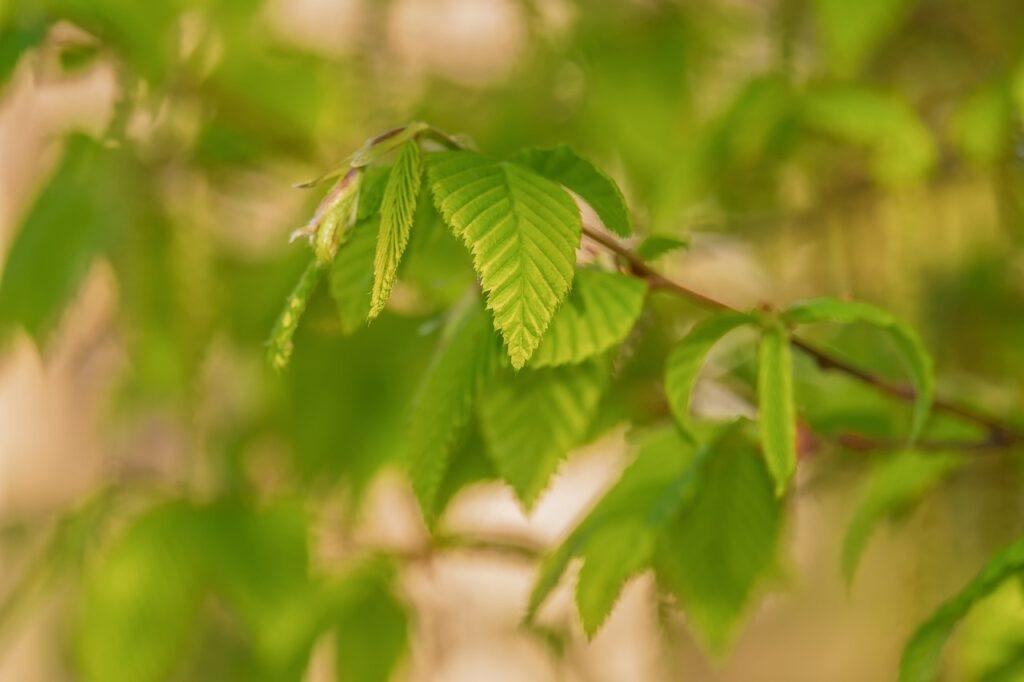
[
  {"x": 398, "y": 210},
  {"x": 139, "y": 602},
  {"x": 723, "y": 544},
  {"x": 523, "y": 231},
  {"x": 372, "y": 624},
  {"x": 895, "y": 485},
  {"x": 612, "y": 555},
  {"x": 902, "y": 148},
  {"x": 532, "y": 418},
  {"x": 18, "y": 33},
  {"x": 444, "y": 401},
  {"x": 281, "y": 344},
  {"x": 647, "y": 495},
  {"x": 922, "y": 655},
  {"x": 657, "y": 245},
  {"x": 599, "y": 312},
  {"x": 982, "y": 126},
  {"x": 686, "y": 359},
  {"x": 908, "y": 343},
  {"x": 92, "y": 198},
  {"x": 562, "y": 165},
  {"x": 991, "y": 640},
  {"x": 852, "y": 31},
  {"x": 776, "y": 412}
]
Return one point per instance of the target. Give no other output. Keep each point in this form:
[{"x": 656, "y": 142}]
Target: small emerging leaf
[
  {"x": 907, "y": 342},
  {"x": 351, "y": 275},
  {"x": 562, "y": 165},
  {"x": 657, "y": 245},
  {"x": 776, "y": 412},
  {"x": 281, "y": 344},
  {"x": 398, "y": 208}
]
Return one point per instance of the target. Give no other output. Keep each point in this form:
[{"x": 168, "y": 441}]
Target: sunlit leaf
[
  {"x": 908, "y": 343},
  {"x": 398, "y": 208},
  {"x": 600, "y": 311},
  {"x": 776, "y": 412},
  {"x": 562, "y": 165},
  {"x": 523, "y": 231}
]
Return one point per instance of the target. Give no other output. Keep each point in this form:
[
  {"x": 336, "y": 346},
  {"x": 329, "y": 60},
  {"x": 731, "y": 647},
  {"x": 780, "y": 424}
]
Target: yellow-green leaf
[
  {"x": 398, "y": 208},
  {"x": 776, "y": 412}
]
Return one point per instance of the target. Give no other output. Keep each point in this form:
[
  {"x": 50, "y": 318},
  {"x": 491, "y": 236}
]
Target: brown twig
[{"x": 999, "y": 435}]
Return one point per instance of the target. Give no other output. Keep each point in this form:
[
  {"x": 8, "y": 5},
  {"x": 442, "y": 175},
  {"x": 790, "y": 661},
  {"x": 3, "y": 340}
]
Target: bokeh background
[{"x": 868, "y": 149}]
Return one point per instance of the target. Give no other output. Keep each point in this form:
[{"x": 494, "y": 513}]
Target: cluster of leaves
[{"x": 537, "y": 358}]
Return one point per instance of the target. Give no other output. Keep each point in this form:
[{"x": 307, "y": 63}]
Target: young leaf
[
  {"x": 776, "y": 412},
  {"x": 907, "y": 342},
  {"x": 531, "y": 419},
  {"x": 894, "y": 486},
  {"x": 280, "y": 343},
  {"x": 922, "y": 654},
  {"x": 523, "y": 232},
  {"x": 398, "y": 208},
  {"x": 651, "y": 490},
  {"x": 686, "y": 359},
  {"x": 562, "y": 165},
  {"x": 334, "y": 216},
  {"x": 723, "y": 543},
  {"x": 444, "y": 402},
  {"x": 600, "y": 311},
  {"x": 351, "y": 275},
  {"x": 613, "y": 554}
]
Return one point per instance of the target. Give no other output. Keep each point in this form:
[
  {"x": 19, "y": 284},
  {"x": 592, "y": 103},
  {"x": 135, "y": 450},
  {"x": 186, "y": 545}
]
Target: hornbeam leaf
[
  {"x": 613, "y": 554},
  {"x": 398, "y": 208},
  {"x": 650, "y": 491},
  {"x": 776, "y": 412},
  {"x": 908, "y": 343},
  {"x": 351, "y": 275},
  {"x": 723, "y": 543},
  {"x": 686, "y": 359},
  {"x": 562, "y": 165},
  {"x": 922, "y": 655},
  {"x": 598, "y": 314},
  {"x": 523, "y": 231},
  {"x": 443, "y": 404},
  {"x": 894, "y": 486},
  {"x": 531, "y": 419}
]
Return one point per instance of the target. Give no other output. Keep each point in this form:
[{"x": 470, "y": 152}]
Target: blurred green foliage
[{"x": 844, "y": 125}]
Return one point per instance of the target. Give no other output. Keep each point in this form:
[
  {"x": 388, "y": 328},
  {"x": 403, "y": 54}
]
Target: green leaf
[
  {"x": 922, "y": 654},
  {"x": 373, "y": 624},
  {"x": 893, "y": 487},
  {"x": 851, "y": 32},
  {"x": 600, "y": 311},
  {"x": 351, "y": 275},
  {"x": 562, "y": 165},
  {"x": 982, "y": 125},
  {"x": 398, "y": 208},
  {"x": 89, "y": 201},
  {"x": 657, "y": 245},
  {"x": 140, "y": 599},
  {"x": 523, "y": 232},
  {"x": 531, "y": 419},
  {"x": 685, "y": 361},
  {"x": 335, "y": 215},
  {"x": 281, "y": 344},
  {"x": 908, "y": 343},
  {"x": 651, "y": 490},
  {"x": 902, "y": 147},
  {"x": 723, "y": 543},
  {"x": 613, "y": 554},
  {"x": 776, "y": 411},
  {"x": 443, "y": 403}
]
